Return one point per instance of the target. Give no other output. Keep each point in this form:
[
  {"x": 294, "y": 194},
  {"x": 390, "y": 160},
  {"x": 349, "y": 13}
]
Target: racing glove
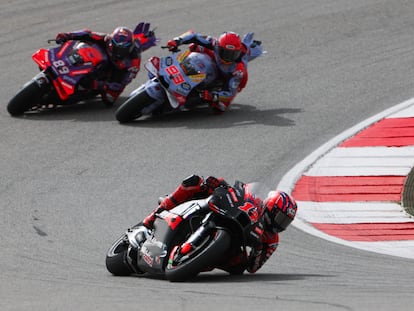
[
  {"x": 172, "y": 45},
  {"x": 211, "y": 183},
  {"x": 255, "y": 236},
  {"x": 145, "y": 36},
  {"x": 142, "y": 28},
  {"x": 255, "y": 260},
  {"x": 62, "y": 37}
]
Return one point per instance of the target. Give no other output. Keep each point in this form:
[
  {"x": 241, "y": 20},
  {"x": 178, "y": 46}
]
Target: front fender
[{"x": 155, "y": 90}]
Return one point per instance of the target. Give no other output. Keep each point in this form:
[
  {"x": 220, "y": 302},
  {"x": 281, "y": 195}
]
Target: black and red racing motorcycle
[{"x": 195, "y": 236}]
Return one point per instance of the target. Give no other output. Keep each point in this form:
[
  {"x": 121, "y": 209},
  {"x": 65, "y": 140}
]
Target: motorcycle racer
[
  {"x": 271, "y": 216},
  {"x": 230, "y": 56},
  {"x": 123, "y": 47}
]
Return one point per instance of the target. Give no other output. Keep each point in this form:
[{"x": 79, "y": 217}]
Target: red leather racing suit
[{"x": 196, "y": 187}]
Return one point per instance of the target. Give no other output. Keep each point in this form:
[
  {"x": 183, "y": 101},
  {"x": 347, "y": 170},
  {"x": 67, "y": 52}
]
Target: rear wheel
[
  {"x": 132, "y": 107},
  {"x": 181, "y": 267},
  {"x": 28, "y": 97},
  {"x": 116, "y": 258}
]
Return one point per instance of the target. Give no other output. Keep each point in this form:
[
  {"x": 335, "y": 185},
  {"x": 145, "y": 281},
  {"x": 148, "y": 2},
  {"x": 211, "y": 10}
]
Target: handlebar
[{"x": 173, "y": 51}]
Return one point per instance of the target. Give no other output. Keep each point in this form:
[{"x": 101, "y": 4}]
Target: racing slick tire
[
  {"x": 28, "y": 97},
  {"x": 131, "y": 108},
  {"x": 116, "y": 258},
  {"x": 181, "y": 268}
]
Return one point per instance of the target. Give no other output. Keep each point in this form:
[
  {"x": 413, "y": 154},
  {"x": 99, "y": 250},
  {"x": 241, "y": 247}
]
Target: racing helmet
[
  {"x": 280, "y": 210},
  {"x": 228, "y": 47},
  {"x": 120, "y": 43}
]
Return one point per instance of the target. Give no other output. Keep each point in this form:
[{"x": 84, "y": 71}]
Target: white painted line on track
[
  {"x": 344, "y": 212},
  {"x": 365, "y": 161}
]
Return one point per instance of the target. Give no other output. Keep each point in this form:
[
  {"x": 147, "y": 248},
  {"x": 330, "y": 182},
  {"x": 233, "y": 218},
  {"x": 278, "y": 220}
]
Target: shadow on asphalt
[
  {"x": 219, "y": 276},
  {"x": 240, "y": 115},
  {"x": 256, "y": 277},
  {"x": 90, "y": 111},
  {"x": 203, "y": 118}
]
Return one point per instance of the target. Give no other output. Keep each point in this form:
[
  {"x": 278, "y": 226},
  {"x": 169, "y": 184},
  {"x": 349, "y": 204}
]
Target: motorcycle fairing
[
  {"x": 90, "y": 54},
  {"x": 168, "y": 227},
  {"x": 67, "y": 64},
  {"x": 176, "y": 99},
  {"x": 153, "y": 66},
  {"x": 181, "y": 56},
  {"x": 183, "y": 73},
  {"x": 41, "y": 57},
  {"x": 187, "y": 209},
  {"x": 229, "y": 201},
  {"x": 63, "y": 89},
  {"x": 153, "y": 251},
  {"x": 171, "y": 219}
]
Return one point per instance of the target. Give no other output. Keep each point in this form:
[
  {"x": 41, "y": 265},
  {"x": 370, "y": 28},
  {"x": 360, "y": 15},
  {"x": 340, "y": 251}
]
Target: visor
[
  {"x": 121, "y": 49},
  {"x": 227, "y": 55},
  {"x": 281, "y": 221}
]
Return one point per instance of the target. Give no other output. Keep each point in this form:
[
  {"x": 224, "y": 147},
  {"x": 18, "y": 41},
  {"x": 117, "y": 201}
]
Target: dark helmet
[
  {"x": 121, "y": 43},
  {"x": 228, "y": 47},
  {"x": 280, "y": 210}
]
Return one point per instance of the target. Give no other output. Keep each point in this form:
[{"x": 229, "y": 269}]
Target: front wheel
[
  {"x": 116, "y": 258},
  {"x": 131, "y": 108},
  {"x": 28, "y": 97},
  {"x": 181, "y": 267}
]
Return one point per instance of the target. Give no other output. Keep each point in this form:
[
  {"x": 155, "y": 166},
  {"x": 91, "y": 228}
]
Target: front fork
[
  {"x": 153, "y": 88},
  {"x": 50, "y": 96},
  {"x": 198, "y": 237},
  {"x": 135, "y": 237},
  {"x": 41, "y": 80}
]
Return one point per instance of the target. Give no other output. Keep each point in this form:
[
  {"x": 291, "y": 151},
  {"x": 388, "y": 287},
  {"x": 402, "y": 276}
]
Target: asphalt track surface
[{"x": 72, "y": 180}]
